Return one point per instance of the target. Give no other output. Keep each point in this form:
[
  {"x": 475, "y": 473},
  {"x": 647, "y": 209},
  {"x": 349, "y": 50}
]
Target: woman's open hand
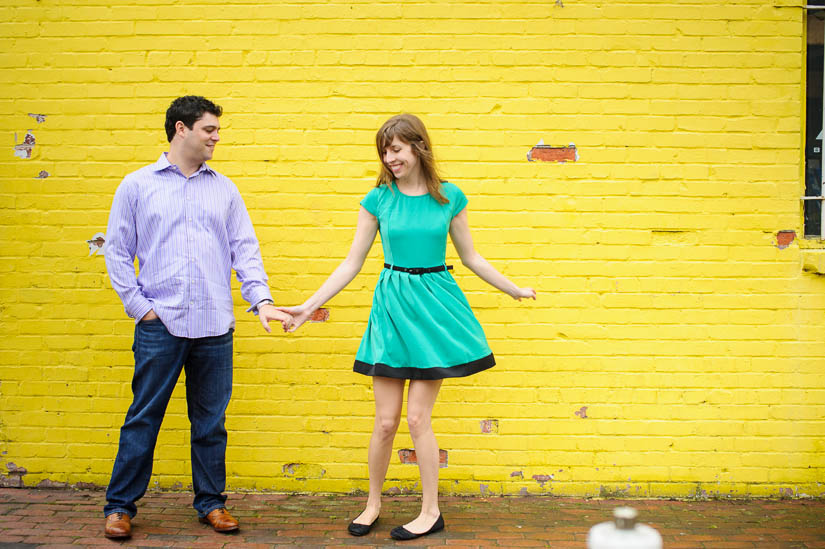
[{"x": 528, "y": 293}]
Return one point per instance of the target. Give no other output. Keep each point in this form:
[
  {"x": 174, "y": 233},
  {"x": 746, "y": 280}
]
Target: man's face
[{"x": 199, "y": 142}]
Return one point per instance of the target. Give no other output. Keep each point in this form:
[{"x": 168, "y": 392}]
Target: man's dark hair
[{"x": 188, "y": 109}]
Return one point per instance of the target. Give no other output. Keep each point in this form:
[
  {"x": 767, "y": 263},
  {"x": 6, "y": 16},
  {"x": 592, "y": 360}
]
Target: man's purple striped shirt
[{"x": 188, "y": 234}]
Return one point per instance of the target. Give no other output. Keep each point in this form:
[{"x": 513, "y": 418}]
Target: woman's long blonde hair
[{"x": 409, "y": 129}]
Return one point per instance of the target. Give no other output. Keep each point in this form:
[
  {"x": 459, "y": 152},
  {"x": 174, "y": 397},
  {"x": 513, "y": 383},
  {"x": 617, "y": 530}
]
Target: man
[{"x": 188, "y": 227}]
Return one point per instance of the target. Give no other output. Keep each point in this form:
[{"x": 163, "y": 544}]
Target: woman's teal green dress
[{"x": 420, "y": 326}]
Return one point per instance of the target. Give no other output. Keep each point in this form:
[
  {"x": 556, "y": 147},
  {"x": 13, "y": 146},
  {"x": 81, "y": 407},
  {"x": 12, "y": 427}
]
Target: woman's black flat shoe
[
  {"x": 360, "y": 529},
  {"x": 401, "y": 533}
]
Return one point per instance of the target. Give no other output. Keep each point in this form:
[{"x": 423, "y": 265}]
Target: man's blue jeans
[{"x": 159, "y": 357}]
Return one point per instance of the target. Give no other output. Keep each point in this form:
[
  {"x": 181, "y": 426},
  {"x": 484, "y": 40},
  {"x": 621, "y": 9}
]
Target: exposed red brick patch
[
  {"x": 542, "y": 479},
  {"x": 408, "y": 457},
  {"x": 548, "y": 153},
  {"x": 489, "y": 426},
  {"x": 784, "y": 239},
  {"x": 581, "y": 412},
  {"x": 320, "y": 315}
]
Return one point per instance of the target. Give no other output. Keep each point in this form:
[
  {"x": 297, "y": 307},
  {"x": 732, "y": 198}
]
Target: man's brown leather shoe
[
  {"x": 221, "y": 520},
  {"x": 118, "y": 526}
]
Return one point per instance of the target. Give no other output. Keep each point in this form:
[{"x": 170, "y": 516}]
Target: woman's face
[{"x": 401, "y": 159}]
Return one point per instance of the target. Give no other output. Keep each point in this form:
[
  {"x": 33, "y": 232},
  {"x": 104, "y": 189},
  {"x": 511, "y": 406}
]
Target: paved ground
[{"x": 57, "y": 518}]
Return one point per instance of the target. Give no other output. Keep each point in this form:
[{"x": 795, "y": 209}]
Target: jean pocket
[
  {"x": 152, "y": 326},
  {"x": 150, "y": 321}
]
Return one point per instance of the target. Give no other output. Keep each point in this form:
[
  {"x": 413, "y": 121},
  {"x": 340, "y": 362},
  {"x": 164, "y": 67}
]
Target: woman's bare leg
[
  {"x": 389, "y": 395},
  {"x": 420, "y": 402}
]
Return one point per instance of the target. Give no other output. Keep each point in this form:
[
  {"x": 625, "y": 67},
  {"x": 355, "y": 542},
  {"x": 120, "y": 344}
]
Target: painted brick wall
[{"x": 676, "y": 348}]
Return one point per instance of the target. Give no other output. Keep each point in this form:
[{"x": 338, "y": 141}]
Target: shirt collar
[{"x": 163, "y": 164}]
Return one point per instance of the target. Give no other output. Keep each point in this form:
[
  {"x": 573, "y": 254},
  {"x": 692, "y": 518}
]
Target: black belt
[{"x": 418, "y": 270}]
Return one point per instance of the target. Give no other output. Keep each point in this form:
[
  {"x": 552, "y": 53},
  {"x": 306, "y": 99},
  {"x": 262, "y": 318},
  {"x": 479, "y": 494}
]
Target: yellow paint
[{"x": 664, "y": 306}]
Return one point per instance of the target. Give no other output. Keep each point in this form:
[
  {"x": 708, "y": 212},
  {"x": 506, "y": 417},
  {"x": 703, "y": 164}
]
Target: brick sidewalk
[{"x": 57, "y": 518}]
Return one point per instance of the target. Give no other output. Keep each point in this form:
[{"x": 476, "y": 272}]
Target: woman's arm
[
  {"x": 343, "y": 274},
  {"x": 470, "y": 258}
]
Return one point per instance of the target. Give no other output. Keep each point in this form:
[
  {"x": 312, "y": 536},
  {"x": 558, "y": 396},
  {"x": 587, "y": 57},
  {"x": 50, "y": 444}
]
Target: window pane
[
  {"x": 813, "y": 187},
  {"x": 813, "y": 128}
]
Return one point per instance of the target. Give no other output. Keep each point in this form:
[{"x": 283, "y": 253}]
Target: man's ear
[{"x": 179, "y": 127}]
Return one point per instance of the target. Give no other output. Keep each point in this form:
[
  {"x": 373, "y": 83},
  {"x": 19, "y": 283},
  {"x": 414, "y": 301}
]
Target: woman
[{"x": 421, "y": 327}]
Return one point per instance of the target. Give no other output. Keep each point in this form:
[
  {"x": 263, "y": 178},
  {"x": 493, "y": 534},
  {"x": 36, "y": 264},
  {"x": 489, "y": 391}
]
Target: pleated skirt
[{"x": 421, "y": 327}]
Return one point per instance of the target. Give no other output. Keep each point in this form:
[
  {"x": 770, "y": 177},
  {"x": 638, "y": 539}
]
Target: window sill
[{"x": 811, "y": 243}]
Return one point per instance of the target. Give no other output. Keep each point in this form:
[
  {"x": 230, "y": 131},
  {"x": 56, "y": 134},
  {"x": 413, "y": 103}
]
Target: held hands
[
  {"x": 299, "y": 315},
  {"x": 524, "y": 293},
  {"x": 270, "y": 312}
]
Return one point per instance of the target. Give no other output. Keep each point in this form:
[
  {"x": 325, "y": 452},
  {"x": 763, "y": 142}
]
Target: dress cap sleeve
[{"x": 370, "y": 202}]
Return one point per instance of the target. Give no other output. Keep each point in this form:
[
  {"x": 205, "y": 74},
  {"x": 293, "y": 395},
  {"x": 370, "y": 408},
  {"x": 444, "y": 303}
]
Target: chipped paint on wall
[
  {"x": 550, "y": 153},
  {"x": 302, "y": 471},
  {"x": 320, "y": 315},
  {"x": 403, "y": 489},
  {"x": 408, "y": 457},
  {"x": 52, "y": 484},
  {"x": 489, "y": 426},
  {"x": 43, "y": 174},
  {"x": 581, "y": 412},
  {"x": 14, "y": 478},
  {"x": 784, "y": 239},
  {"x": 97, "y": 244},
  {"x": 39, "y": 117},
  {"x": 24, "y": 150}
]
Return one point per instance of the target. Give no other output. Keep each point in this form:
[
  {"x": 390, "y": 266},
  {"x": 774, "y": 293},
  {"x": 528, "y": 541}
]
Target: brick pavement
[{"x": 63, "y": 518}]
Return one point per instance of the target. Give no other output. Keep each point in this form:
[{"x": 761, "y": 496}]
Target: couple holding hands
[{"x": 189, "y": 228}]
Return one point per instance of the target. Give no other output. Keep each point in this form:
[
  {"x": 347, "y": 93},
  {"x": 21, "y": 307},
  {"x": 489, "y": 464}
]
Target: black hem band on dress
[{"x": 460, "y": 370}]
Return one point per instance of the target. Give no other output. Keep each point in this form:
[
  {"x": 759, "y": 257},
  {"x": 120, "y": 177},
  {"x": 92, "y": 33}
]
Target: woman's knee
[
  {"x": 386, "y": 426},
  {"x": 418, "y": 422}
]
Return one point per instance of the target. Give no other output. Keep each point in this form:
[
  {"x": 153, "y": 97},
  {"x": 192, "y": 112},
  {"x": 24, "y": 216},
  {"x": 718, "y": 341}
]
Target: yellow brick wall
[{"x": 675, "y": 349}]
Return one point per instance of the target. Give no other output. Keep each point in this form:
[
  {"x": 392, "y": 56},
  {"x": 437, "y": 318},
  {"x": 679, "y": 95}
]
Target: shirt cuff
[
  {"x": 254, "y": 308},
  {"x": 139, "y": 310}
]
